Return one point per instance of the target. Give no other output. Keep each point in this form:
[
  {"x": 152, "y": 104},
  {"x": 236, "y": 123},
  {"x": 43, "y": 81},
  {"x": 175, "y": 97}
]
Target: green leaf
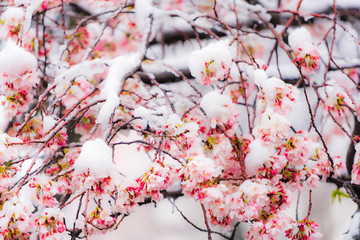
[
  {"x": 337, "y": 193},
  {"x": 8, "y": 163}
]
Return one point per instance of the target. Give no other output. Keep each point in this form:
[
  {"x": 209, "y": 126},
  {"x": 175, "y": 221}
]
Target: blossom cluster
[
  {"x": 77, "y": 76},
  {"x": 304, "y": 50}
]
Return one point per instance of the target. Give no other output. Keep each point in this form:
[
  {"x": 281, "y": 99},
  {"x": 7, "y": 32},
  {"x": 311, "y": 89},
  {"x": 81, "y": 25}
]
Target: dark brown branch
[
  {"x": 164, "y": 77},
  {"x": 177, "y": 35},
  {"x": 351, "y": 151}
]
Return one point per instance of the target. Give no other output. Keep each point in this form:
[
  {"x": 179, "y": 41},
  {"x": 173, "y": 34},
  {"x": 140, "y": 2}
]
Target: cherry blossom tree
[{"x": 237, "y": 103}]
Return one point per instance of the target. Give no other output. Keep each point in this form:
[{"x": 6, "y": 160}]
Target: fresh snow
[{"x": 95, "y": 157}]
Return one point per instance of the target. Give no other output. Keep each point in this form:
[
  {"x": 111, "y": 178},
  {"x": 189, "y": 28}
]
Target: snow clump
[
  {"x": 211, "y": 63},
  {"x": 256, "y": 158},
  {"x": 95, "y": 157},
  {"x": 219, "y": 109},
  {"x": 304, "y": 50}
]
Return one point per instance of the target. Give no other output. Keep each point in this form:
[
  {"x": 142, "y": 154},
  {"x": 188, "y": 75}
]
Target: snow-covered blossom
[
  {"x": 94, "y": 168},
  {"x": 270, "y": 228},
  {"x": 304, "y": 229},
  {"x": 219, "y": 109},
  {"x": 101, "y": 218},
  {"x": 297, "y": 149},
  {"x": 159, "y": 177},
  {"x": 50, "y": 224},
  {"x": 197, "y": 171},
  {"x": 76, "y": 77},
  {"x": 273, "y": 127},
  {"x": 217, "y": 207},
  {"x": 336, "y": 100},
  {"x": 78, "y": 89},
  {"x": 45, "y": 190},
  {"x": 16, "y": 219},
  {"x": 95, "y": 158},
  {"x": 200, "y": 169},
  {"x": 8, "y": 152},
  {"x": 10, "y": 22},
  {"x": 304, "y": 50},
  {"x": 211, "y": 63},
  {"x": 18, "y": 75},
  {"x": 275, "y": 93},
  {"x": 262, "y": 199},
  {"x": 257, "y": 157},
  {"x": 184, "y": 135},
  {"x": 322, "y": 165}
]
